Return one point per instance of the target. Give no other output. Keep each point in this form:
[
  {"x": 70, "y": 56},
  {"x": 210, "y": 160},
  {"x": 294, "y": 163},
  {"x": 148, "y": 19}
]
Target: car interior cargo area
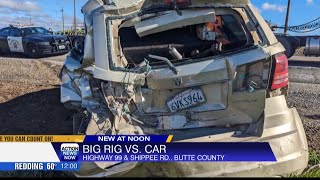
[{"x": 185, "y": 43}]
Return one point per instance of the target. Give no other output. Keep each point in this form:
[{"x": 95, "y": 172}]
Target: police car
[{"x": 32, "y": 41}]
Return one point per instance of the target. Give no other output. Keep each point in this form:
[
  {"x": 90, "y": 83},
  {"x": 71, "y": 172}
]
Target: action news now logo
[{"x": 69, "y": 151}]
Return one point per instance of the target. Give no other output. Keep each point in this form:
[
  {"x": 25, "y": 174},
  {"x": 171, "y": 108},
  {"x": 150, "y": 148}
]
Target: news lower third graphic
[{"x": 67, "y": 153}]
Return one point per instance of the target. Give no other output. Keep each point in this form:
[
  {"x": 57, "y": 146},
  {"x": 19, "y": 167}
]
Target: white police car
[{"x": 32, "y": 41}]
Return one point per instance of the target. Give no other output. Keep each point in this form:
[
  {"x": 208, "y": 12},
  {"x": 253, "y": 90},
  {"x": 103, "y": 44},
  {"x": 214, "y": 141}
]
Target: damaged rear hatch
[{"x": 193, "y": 64}]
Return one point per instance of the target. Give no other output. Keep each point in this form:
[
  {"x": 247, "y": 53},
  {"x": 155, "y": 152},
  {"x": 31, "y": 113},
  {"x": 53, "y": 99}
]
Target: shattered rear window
[{"x": 185, "y": 43}]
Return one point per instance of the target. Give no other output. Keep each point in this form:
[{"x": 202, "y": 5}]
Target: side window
[
  {"x": 15, "y": 32},
  {"x": 23, "y": 32},
  {"x": 5, "y": 32}
]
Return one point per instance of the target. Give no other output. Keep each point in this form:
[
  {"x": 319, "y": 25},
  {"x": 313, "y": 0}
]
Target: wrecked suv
[{"x": 201, "y": 70}]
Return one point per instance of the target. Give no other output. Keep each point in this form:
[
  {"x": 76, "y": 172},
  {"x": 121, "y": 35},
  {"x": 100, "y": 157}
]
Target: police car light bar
[{"x": 20, "y": 25}]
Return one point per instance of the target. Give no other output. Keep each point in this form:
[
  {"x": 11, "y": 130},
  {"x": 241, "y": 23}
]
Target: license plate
[
  {"x": 186, "y": 99},
  {"x": 62, "y": 47}
]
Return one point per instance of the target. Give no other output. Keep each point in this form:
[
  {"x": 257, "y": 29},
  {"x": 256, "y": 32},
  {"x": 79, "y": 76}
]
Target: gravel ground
[
  {"x": 299, "y": 52},
  {"x": 304, "y": 94},
  {"x": 29, "y": 97},
  {"x": 306, "y": 98}
]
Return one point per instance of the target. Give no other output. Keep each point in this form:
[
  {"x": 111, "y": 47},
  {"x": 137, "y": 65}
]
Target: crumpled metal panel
[
  {"x": 149, "y": 3},
  {"x": 88, "y": 58},
  {"x": 121, "y": 7},
  {"x": 72, "y": 64},
  {"x": 76, "y": 84},
  {"x": 172, "y": 21},
  {"x": 123, "y": 4},
  {"x": 68, "y": 94},
  {"x": 289, "y": 146},
  {"x": 222, "y": 2},
  {"x": 211, "y": 71}
]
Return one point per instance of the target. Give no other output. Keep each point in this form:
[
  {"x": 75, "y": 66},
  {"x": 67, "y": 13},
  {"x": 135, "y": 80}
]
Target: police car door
[
  {"x": 15, "y": 40},
  {"x": 4, "y": 33}
]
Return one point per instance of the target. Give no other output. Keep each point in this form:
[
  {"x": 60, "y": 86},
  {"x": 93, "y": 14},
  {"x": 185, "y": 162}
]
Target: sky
[
  {"x": 301, "y": 11},
  {"x": 47, "y": 13}
]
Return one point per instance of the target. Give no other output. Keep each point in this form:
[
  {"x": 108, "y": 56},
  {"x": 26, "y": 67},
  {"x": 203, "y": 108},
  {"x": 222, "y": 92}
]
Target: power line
[{"x": 304, "y": 28}]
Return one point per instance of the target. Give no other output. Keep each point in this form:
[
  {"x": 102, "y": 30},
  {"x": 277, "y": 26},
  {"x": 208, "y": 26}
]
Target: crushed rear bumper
[{"x": 282, "y": 128}]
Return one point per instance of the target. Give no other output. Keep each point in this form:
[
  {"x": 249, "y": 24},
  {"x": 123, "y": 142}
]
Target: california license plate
[
  {"x": 62, "y": 47},
  {"x": 186, "y": 99}
]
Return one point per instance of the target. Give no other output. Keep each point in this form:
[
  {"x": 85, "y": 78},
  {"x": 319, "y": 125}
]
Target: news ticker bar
[
  {"x": 85, "y": 138},
  {"x": 40, "y": 166},
  {"x": 73, "y": 150},
  {"x": 164, "y": 152}
]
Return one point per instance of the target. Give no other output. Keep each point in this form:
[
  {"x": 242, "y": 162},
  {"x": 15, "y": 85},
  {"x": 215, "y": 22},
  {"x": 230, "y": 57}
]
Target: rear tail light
[
  {"x": 253, "y": 76},
  {"x": 256, "y": 76},
  {"x": 281, "y": 73}
]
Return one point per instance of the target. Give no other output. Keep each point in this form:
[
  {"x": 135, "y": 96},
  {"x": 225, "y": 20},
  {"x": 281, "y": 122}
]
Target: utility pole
[
  {"x": 30, "y": 19},
  {"x": 75, "y": 17},
  {"x": 62, "y": 20},
  {"x": 287, "y": 17}
]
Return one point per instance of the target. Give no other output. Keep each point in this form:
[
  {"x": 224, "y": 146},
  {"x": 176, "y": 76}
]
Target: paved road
[
  {"x": 301, "y": 74},
  {"x": 304, "y": 61}
]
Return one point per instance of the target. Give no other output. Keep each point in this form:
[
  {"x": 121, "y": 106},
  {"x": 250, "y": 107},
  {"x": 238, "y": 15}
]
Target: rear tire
[
  {"x": 33, "y": 51},
  {"x": 287, "y": 45}
]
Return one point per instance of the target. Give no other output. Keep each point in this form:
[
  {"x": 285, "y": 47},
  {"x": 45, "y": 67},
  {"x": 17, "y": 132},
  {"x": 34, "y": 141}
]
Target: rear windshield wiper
[{"x": 166, "y": 60}]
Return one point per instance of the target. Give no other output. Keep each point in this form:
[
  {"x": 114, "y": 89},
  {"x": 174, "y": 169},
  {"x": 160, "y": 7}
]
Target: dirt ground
[
  {"x": 299, "y": 52},
  {"x": 29, "y": 97}
]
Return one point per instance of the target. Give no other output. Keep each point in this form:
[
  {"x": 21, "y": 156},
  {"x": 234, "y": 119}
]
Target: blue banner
[
  {"x": 165, "y": 152},
  {"x": 40, "y": 166},
  {"x": 143, "y": 149}
]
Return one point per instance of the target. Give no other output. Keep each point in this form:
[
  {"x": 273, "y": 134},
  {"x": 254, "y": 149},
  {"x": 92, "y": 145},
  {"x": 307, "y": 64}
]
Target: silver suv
[{"x": 202, "y": 70}]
